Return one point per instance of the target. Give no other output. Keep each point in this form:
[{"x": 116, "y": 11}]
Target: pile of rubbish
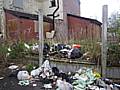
[
  {"x": 61, "y": 50},
  {"x": 66, "y": 51},
  {"x": 88, "y": 79},
  {"x": 52, "y": 77},
  {"x": 55, "y": 50}
]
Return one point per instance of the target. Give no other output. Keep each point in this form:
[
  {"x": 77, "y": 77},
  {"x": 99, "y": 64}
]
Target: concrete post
[
  {"x": 104, "y": 39},
  {"x": 41, "y": 37},
  {"x": 2, "y": 19}
]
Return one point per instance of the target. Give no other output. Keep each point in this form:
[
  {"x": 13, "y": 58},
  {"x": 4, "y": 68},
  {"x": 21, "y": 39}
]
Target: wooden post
[
  {"x": 41, "y": 37},
  {"x": 104, "y": 39}
]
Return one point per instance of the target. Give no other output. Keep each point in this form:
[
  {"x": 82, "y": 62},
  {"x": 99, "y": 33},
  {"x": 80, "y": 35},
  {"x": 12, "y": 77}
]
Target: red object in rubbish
[{"x": 76, "y": 46}]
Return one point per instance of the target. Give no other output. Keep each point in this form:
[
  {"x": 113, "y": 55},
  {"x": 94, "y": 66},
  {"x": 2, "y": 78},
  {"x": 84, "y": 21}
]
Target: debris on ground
[
  {"x": 24, "y": 82},
  {"x": 47, "y": 77},
  {"x": 23, "y": 75},
  {"x": 1, "y": 78},
  {"x": 12, "y": 67}
]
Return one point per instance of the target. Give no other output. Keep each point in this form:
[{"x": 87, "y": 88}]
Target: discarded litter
[
  {"x": 23, "y": 75},
  {"x": 24, "y": 82},
  {"x": 1, "y": 78},
  {"x": 34, "y": 85},
  {"x": 47, "y": 86},
  {"x": 13, "y": 67}
]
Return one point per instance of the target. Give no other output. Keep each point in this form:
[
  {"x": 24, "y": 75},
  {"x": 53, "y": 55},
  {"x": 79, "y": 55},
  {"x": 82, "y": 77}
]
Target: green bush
[
  {"x": 29, "y": 67},
  {"x": 113, "y": 55},
  {"x": 18, "y": 50}
]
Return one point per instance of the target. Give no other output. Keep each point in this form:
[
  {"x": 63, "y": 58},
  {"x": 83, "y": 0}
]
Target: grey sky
[{"x": 93, "y": 8}]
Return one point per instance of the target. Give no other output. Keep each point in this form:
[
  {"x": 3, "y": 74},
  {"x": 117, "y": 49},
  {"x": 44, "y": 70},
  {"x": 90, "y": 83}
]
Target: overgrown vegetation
[
  {"x": 114, "y": 40},
  {"x": 3, "y": 53},
  {"x": 29, "y": 67},
  {"x": 18, "y": 50},
  {"x": 90, "y": 46}
]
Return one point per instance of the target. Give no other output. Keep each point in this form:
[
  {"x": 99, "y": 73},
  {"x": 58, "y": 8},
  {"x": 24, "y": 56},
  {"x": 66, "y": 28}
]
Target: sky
[{"x": 93, "y": 8}]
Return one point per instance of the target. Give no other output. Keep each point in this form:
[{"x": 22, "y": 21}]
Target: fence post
[
  {"x": 41, "y": 37},
  {"x": 104, "y": 39},
  {"x": 2, "y": 19}
]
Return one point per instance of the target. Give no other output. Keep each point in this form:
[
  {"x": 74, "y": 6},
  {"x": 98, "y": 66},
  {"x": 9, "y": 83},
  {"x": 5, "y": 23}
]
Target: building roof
[
  {"x": 27, "y": 15},
  {"x": 89, "y": 19}
]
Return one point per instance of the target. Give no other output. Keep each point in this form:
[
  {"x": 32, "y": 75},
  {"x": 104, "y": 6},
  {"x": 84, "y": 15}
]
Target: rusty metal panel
[
  {"x": 11, "y": 26},
  {"x": 23, "y": 28},
  {"x": 19, "y": 28},
  {"x": 81, "y": 28}
]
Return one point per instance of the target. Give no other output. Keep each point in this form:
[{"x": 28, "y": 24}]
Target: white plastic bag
[
  {"x": 36, "y": 72},
  {"x": 23, "y": 75},
  {"x": 13, "y": 67},
  {"x": 46, "y": 64},
  {"x": 63, "y": 85}
]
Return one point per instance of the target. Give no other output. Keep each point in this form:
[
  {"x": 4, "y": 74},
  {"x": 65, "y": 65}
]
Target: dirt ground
[{"x": 11, "y": 83}]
